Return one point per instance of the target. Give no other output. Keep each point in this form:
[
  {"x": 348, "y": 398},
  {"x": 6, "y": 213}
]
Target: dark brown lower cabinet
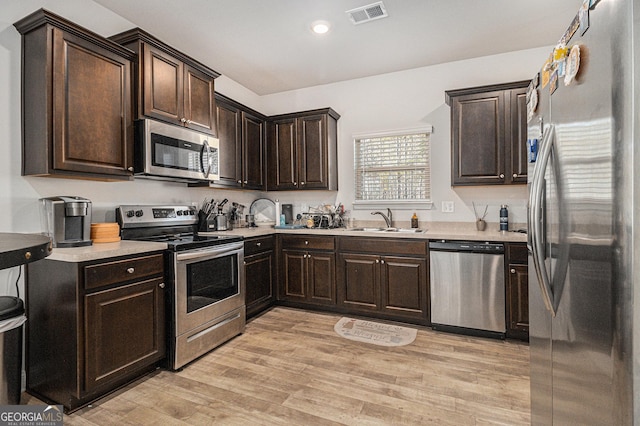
[
  {"x": 517, "y": 276},
  {"x": 92, "y": 326},
  {"x": 259, "y": 263},
  {"x": 392, "y": 283},
  {"x": 307, "y": 270}
]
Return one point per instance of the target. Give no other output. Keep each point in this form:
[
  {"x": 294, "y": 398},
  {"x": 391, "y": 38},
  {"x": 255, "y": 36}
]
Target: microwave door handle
[{"x": 206, "y": 148}]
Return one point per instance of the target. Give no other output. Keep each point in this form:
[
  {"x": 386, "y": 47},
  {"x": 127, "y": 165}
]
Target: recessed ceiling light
[{"x": 320, "y": 27}]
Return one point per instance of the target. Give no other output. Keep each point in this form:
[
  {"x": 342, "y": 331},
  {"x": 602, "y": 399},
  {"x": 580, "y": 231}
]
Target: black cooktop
[{"x": 182, "y": 242}]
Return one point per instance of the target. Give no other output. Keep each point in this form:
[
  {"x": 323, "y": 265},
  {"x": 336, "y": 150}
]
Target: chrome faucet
[{"x": 388, "y": 218}]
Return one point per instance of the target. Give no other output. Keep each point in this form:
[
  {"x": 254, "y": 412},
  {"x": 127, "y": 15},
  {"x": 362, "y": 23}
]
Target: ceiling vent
[{"x": 367, "y": 13}]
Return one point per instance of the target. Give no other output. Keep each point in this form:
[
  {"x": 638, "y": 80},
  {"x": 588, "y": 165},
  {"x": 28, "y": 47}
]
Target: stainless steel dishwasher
[{"x": 467, "y": 287}]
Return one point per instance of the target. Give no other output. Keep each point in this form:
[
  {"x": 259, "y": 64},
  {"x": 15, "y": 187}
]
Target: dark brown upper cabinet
[
  {"x": 171, "y": 86},
  {"x": 302, "y": 151},
  {"x": 77, "y": 116},
  {"x": 489, "y": 134},
  {"x": 242, "y": 133}
]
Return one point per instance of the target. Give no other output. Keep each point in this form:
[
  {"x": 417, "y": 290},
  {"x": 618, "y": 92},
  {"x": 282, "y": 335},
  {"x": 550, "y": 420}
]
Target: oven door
[{"x": 209, "y": 283}]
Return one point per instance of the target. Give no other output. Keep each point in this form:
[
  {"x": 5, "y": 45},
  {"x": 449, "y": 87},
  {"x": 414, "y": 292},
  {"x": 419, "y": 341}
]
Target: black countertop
[{"x": 19, "y": 249}]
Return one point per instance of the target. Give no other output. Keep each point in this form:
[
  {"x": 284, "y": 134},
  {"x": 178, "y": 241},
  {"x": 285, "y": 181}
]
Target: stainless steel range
[{"x": 204, "y": 277}]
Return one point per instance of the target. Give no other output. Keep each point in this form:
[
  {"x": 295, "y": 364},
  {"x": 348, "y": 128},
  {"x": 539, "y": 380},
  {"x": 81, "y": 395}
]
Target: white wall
[{"x": 411, "y": 99}]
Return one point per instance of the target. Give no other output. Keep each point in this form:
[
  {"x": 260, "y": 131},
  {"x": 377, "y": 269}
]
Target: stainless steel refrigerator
[{"x": 584, "y": 209}]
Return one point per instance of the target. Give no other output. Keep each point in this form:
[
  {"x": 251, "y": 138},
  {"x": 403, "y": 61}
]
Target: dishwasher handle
[{"x": 467, "y": 246}]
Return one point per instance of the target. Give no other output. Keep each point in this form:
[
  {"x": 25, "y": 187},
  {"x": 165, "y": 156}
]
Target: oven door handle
[{"x": 209, "y": 253}]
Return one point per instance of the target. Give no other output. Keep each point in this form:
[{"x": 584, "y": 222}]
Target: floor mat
[{"x": 374, "y": 332}]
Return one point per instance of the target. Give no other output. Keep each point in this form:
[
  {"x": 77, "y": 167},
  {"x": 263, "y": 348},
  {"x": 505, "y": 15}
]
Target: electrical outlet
[{"x": 447, "y": 207}]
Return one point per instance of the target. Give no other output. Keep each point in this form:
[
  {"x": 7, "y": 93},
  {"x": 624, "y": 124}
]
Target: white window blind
[{"x": 393, "y": 167}]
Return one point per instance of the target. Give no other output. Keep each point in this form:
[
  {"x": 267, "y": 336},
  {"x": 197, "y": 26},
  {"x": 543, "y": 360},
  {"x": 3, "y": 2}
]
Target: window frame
[{"x": 394, "y": 204}]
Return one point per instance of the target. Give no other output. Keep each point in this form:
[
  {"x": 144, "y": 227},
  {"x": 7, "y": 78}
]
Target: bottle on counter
[
  {"x": 504, "y": 218},
  {"x": 414, "y": 220},
  {"x": 278, "y": 212}
]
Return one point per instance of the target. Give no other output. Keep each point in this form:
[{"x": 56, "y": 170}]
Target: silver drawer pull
[
  {"x": 161, "y": 285},
  {"x": 130, "y": 270}
]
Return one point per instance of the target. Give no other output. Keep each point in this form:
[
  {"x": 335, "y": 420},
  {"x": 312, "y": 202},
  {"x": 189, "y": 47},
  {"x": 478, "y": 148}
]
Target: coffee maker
[{"x": 67, "y": 220}]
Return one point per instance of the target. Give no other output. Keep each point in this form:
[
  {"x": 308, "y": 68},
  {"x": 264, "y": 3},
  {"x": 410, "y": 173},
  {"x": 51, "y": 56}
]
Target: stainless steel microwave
[{"x": 169, "y": 152}]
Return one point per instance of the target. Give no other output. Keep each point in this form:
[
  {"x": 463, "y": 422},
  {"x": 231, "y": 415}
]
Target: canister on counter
[{"x": 504, "y": 218}]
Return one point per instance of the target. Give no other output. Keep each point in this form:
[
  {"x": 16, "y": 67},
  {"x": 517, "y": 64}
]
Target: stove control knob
[
  {"x": 185, "y": 212},
  {"x": 179, "y": 212},
  {"x": 130, "y": 213},
  {"x": 139, "y": 213}
]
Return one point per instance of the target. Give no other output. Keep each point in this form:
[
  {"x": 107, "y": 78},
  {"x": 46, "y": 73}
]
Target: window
[{"x": 393, "y": 169}]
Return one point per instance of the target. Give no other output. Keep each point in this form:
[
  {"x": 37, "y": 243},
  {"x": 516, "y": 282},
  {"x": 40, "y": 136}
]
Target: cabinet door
[
  {"x": 230, "y": 155},
  {"x": 259, "y": 281},
  {"x": 518, "y": 301},
  {"x": 253, "y": 147},
  {"x": 478, "y": 138},
  {"x": 199, "y": 103},
  {"x": 321, "y": 277},
  {"x": 517, "y": 144},
  {"x": 359, "y": 282},
  {"x": 282, "y": 168},
  {"x": 404, "y": 286},
  {"x": 312, "y": 152},
  {"x": 293, "y": 275},
  {"x": 123, "y": 330},
  {"x": 92, "y": 104},
  {"x": 163, "y": 86}
]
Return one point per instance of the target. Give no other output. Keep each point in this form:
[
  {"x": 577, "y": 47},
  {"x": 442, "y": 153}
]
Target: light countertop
[
  {"x": 104, "y": 251},
  {"x": 434, "y": 231}
]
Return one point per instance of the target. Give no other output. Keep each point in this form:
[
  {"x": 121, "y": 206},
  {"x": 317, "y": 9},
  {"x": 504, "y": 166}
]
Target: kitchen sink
[{"x": 404, "y": 230}]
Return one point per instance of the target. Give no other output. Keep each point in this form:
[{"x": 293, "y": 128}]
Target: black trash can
[{"x": 12, "y": 319}]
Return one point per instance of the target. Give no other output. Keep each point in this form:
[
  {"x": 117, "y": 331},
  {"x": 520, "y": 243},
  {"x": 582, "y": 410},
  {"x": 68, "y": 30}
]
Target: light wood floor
[{"x": 290, "y": 367}]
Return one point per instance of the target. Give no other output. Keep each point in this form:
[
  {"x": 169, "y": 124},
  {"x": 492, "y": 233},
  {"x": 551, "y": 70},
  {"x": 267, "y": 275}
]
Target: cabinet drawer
[
  {"x": 383, "y": 245},
  {"x": 308, "y": 242},
  {"x": 258, "y": 245},
  {"x": 517, "y": 253},
  {"x": 108, "y": 273}
]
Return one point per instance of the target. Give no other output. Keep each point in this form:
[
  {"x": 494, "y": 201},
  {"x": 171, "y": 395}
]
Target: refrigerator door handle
[{"x": 535, "y": 214}]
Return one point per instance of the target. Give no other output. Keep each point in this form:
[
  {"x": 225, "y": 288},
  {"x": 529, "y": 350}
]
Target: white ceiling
[{"x": 267, "y": 45}]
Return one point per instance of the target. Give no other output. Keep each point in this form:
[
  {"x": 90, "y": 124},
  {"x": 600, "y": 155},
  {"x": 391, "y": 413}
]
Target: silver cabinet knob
[
  {"x": 501, "y": 175},
  {"x": 246, "y": 182},
  {"x": 306, "y": 243},
  {"x": 189, "y": 121},
  {"x": 515, "y": 175},
  {"x": 382, "y": 261},
  {"x": 240, "y": 181},
  {"x": 301, "y": 183},
  {"x": 130, "y": 270},
  {"x": 295, "y": 183},
  {"x": 161, "y": 285},
  {"x": 258, "y": 244},
  {"x": 513, "y": 271},
  {"x": 183, "y": 120},
  {"x": 377, "y": 260},
  {"x": 244, "y": 263},
  {"x": 130, "y": 169}
]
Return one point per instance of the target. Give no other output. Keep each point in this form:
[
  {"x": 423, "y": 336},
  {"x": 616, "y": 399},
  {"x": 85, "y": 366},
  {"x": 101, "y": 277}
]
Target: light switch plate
[{"x": 447, "y": 207}]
